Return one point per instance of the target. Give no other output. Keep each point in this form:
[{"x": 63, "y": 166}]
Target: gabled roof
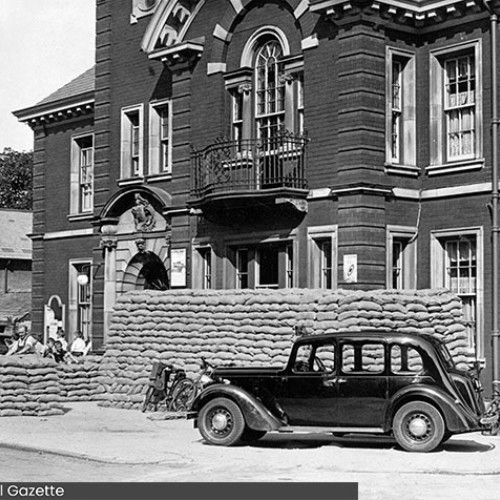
[
  {"x": 73, "y": 99},
  {"x": 80, "y": 85},
  {"x": 15, "y": 225}
]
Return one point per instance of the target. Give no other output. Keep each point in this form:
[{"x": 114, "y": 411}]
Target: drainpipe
[{"x": 495, "y": 230}]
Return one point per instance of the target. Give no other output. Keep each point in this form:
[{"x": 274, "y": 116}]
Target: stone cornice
[
  {"x": 58, "y": 110},
  {"x": 404, "y": 13}
]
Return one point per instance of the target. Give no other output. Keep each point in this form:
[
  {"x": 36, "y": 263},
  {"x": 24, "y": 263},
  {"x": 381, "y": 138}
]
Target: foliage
[{"x": 16, "y": 179}]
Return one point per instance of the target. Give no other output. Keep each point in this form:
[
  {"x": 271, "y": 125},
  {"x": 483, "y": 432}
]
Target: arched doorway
[{"x": 145, "y": 271}]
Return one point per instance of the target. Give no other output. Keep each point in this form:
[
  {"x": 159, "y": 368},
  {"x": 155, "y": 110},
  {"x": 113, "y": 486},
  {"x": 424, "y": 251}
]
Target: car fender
[
  {"x": 256, "y": 415},
  {"x": 458, "y": 418}
]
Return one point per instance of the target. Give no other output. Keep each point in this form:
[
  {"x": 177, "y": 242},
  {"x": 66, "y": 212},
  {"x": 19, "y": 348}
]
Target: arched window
[{"x": 269, "y": 90}]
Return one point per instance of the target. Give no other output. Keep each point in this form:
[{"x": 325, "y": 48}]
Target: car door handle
[{"x": 341, "y": 380}]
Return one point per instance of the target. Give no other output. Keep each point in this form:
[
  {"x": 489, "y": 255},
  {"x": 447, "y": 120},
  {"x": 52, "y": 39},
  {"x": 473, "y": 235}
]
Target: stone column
[{"x": 108, "y": 245}]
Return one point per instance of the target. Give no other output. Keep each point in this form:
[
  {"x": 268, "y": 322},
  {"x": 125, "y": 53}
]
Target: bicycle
[{"x": 169, "y": 386}]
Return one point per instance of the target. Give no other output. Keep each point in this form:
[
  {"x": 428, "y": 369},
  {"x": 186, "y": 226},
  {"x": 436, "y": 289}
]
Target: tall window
[
  {"x": 269, "y": 90},
  {"x": 206, "y": 256},
  {"x": 242, "y": 280},
  {"x": 82, "y": 174},
  {"x": 455, "y": 108},
  {"x": 459, "y": 106},
  {"x": 80, "y": 297},
  {"x": 461, "y": 276},
  {"x": 396, "y": 110},
  {"x": 322, "y": 257},
  {"x": 400, "y": 112},
  {"x": 401, "y": 258},
  {"x": 458, "y": 266},
  {"x": 203, "y": 267},
  {"x": 289, "y": 266},
  {"x": 132, "y": 142},
  {"x": 160, "y": 137}
]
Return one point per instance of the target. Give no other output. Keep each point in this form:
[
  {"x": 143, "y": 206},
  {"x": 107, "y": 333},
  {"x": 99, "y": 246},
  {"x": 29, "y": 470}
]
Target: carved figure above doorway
[{"x": 144, "y": 214}]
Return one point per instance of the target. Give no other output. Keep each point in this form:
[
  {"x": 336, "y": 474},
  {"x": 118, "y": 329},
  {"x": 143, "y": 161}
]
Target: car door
[
  {"x": 308, "y": 387},
  {"x": 362, "y": 384}
]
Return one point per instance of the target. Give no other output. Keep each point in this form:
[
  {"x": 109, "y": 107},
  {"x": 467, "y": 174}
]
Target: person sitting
[
  {"x": 60, "y": 338},
  {"x": 25, "y": 344},
  {"x": 78, "y": 346},
  {"x": 60, "y": 355}
]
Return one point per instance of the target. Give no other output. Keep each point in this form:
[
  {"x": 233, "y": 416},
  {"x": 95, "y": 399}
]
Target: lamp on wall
[{"x": 83, "y": 277}]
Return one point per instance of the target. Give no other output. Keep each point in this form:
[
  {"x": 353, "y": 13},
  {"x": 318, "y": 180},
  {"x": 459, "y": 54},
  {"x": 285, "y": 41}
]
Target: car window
[
  {"x": 405, "y": 360},
  {"x": 324, "y": 358},
  {"x": 363, "y": 358},
  {"x": 311, "y": 358}
]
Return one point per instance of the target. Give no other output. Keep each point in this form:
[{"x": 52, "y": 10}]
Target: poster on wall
[
  {"x": 178, "y": 267},
  {"x": 351, "y": 268}
]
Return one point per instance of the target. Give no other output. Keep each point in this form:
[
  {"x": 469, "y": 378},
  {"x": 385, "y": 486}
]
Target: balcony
[{"x": 229, "y": 173}]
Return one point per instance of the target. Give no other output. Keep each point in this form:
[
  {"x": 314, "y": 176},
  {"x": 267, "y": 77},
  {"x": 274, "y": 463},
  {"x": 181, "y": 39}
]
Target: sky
[{"x": 44, "y": 44}]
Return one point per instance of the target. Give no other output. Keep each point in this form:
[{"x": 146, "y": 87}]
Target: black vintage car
[{"x": 386, "y": 383}]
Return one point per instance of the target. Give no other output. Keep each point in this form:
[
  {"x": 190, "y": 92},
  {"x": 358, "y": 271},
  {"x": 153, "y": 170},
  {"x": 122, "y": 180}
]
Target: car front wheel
[
  {"x": 418, "y": 426},
  {"x": 221, "y": 422}
]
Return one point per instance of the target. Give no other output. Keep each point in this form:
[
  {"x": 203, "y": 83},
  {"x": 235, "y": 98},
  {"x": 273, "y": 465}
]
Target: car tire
[
  {"x": 221, "y": 422},
  {"x": 251, "y": 435},
  {"x": 419, "y": 427}
]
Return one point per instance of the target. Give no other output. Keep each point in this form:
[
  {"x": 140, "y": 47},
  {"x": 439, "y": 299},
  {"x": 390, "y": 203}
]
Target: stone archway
[{"x": 146, "y": 271}]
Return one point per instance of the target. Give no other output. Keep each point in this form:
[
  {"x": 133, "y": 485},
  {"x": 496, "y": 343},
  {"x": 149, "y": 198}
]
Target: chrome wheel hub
[
  {"x": 419, "y": 427},
  {"x": 219, "y": 422}
]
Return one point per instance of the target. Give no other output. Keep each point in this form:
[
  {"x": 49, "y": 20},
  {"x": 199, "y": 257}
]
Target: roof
[
  {"x": 80, "y": 85},
  {"x": 72, "y": 99},
  {"x": 15, "y": 225}
]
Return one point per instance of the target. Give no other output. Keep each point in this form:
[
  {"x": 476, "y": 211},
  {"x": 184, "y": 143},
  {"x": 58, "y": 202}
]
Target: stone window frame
[
  {"x": 74, "y": 267},
  {"x": 409, "y": 255},
  {"x": 406, "y": 163},
  {"x": 76, "y": 210},
  {"x": 315, "y": 236},
  {"x": 156, "y": 142},
  {"x": 438, "y": 162},
  {"x": 126, "y": 142},
  {"x": 251, "y": 243},
  {"x": 438, "y": 265},
  {"x": 200, "y": 279}
]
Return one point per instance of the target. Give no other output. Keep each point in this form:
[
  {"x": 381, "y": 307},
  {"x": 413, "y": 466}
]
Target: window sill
[
  {"x": 455, "y": 167},
  {"x": 164, "y": 176},
  {"x": 408, "y": 170},
  {"x": 79, "y": 217},
  {"x": 132, "y": 181}
]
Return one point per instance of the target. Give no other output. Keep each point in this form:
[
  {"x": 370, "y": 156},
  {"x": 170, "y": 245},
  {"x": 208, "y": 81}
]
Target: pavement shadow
[{"x": 363, "y": 442}]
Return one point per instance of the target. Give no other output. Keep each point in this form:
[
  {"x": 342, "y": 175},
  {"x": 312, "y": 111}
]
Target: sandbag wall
[
  {"x": 29, "y": 386},
  {"x": 255, "y": 328},
  {"x": 79, "y": 381}
]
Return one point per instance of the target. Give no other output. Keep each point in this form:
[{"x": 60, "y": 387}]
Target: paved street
[{"x": 98, "y": 444}]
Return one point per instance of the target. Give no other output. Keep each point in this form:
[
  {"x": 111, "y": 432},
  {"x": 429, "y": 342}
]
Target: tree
[{"x": 16, "y": 179}]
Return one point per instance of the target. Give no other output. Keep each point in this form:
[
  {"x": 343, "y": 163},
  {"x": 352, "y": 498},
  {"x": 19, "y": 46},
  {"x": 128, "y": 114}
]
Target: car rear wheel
[
  {"x": 418, "y": 426},
  {"x": 221, "y": 422}
]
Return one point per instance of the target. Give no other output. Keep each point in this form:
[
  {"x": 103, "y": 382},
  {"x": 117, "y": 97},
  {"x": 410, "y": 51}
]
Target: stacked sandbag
[
  {"x": 79, "y": 380},
  {"x": 29, "y": 386},
  {"x": 255, "y": 327}
]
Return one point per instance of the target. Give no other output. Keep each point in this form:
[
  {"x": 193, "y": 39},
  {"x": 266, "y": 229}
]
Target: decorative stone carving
[
  {"x": 144, "y": 214},
  {"x": 245, "y": 88}
]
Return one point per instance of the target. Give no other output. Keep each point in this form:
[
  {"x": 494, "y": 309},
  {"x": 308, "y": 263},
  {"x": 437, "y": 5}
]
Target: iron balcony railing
[{"x": 249, "y": 165}]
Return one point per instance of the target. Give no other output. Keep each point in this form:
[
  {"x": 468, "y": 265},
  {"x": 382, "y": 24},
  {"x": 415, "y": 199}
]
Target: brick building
[{"x": 269, "y": 143}]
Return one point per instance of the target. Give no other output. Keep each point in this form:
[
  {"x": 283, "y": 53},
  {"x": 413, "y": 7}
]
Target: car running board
[{"x": 323, "y": 430}]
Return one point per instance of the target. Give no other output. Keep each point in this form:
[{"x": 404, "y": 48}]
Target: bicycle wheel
[
  {"x": 147, "y": 398},
  {"x": 182, "y": 395}
]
